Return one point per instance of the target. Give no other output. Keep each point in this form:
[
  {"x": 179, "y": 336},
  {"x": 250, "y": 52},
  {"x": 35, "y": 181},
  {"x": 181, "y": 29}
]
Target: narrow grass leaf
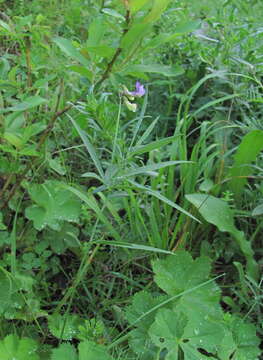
[
  {"x": 133, "y": 246},
  {"x": 89, "y": 147},
  {"x": 142, "y": 149},
  {"x": 162, "y": 198},
  {"x": 149, "y": 168},
  {"x": 93, "y": 205}
]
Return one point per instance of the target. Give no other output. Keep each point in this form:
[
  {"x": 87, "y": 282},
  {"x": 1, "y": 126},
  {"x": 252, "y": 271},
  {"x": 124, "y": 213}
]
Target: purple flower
[{"x": 139, "y": 92}]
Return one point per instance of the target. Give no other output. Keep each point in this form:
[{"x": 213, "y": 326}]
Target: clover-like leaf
[{"x": 54, "y": 204}]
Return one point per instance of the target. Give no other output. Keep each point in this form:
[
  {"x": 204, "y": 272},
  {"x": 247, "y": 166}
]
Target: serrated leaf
[
  {"x": 19, "y": 349},
  {"x": 60, "y": 240},
  {"x": 142, "y": 304},
  {"x": 54, "y": 204},
  {"x": 192, "y": 272},
  {"x": 89, "y": 350},
  {"x": 64, "y": 352},
  {"x": 64, "y": 327},
  {"x": 240, "y": 342},
  {"x": 167, "y": 331}
]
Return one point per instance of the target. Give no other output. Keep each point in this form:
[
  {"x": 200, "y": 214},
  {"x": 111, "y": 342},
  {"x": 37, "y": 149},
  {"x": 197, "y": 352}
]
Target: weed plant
[{"x": 131, "y": 180}]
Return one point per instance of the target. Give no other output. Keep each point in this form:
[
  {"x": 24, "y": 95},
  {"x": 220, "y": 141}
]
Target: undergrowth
[{"x": 131, "y": 180}]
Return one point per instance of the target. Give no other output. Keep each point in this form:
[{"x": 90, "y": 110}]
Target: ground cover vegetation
[{"x": 131, "y": 179}]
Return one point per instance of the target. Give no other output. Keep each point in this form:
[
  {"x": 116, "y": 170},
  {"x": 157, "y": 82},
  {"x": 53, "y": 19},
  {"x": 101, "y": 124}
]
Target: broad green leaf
[
  {"x": 29, "y": 150},
  {"x": 13, "y": 348},
  {"x": 192, "y": 272},
  {"x": 101, "y": 50},
  {"x": 89, "y": 350},
  {"x": 29, "y": 103},
  {"x": 246, "y": 341},
  {"x": 54, "y": 204},
  {"x": 167, "y": 331},
  {"x": 136, "y": 5},
  {"x": 96, "y": 31},
  {"x": 66, "y": 237},
  {"x": 135, "y": 34},
  {"x": 64, "y": 352},
  {"x": 165, "y": 70},
  {"x": 247, "y": 151},
  {"x": 33, "y": 130},
  {"x": 70, "y": 50},
  {"x": 14, "y": 139},
  {"x": 159, "y": 6},
  {"x": 240, "y": 342},
  {"x": 142, "y": 149},
  {"x": 180, "y": 29},
  {"x": 217, "y": 212},
  {"x": 82, "y": 70},
  {"x": 142, "y": 305},
  {"x": 64, "y": 327},
  {"x": 113, "y": 13}
]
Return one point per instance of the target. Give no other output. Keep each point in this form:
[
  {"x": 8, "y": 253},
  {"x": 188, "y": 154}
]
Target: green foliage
[
  {"x": 218, "y": 212},
  {"x": 247, "y": 152},
  {"x": 190, "y": 319},
  {"x": 97, "y": 180},
  {"x": 11, "y": 347},
  {"x": 54, "y": 204},
  {"x": 64, "y": 352}
]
